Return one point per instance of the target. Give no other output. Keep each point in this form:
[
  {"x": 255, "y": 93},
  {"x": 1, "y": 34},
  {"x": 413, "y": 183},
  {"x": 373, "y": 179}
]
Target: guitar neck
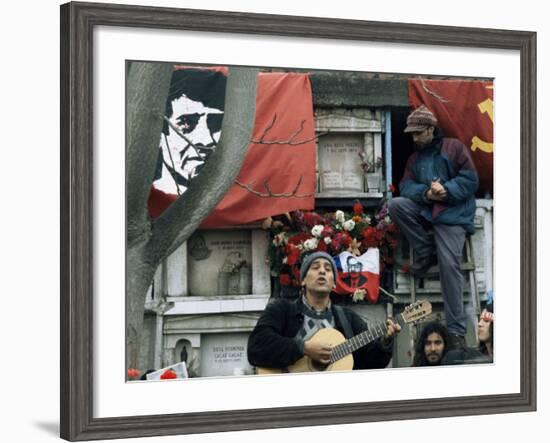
[{"x": 361, "y": 340}]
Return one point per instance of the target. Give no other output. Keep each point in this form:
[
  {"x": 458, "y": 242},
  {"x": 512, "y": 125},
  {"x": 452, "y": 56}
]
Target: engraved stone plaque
[
  {"x": 220, "y": 263},
  {"x": 340, "y": 163},
  {"x": 374, "y": 182},
  {"x": 224, "y": 354}
]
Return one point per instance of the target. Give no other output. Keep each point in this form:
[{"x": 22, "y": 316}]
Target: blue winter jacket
[{"x": 448, "y": 161}]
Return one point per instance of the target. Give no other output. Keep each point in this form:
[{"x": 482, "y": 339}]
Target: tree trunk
[
  {"x": 140, "y": 274},
  {"x": 147, "y": 89},
  {"x": 148, "y": 243}
]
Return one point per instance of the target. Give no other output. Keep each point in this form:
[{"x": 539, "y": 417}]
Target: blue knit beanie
[{"x": 311, "y": 258}]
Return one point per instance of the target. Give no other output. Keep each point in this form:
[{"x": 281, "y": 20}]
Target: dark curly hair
[{"x": 429, "y": 328}]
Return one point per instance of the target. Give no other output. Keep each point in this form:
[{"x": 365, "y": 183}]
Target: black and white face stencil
[{"x": 190, "y": 135}]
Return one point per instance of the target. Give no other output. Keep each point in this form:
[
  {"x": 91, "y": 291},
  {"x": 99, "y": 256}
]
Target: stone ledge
[{"x": 218, "y": 304}]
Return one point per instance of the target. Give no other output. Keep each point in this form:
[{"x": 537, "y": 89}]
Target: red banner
[
  {"x": 464, "y": 110},
  {"x": 278, "y": 172}
]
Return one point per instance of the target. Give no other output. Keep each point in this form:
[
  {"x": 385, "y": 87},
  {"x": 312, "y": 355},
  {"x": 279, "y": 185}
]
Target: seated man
[
  {"x": 431, "y": 345},
  {"x": 283, "y": 333},
  {"x": 438, "y": 192}
]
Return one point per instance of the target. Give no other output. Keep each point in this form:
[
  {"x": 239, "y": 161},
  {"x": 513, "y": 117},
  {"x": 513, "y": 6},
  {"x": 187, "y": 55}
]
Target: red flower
[
  {"x": 341, "y": 241},
  {"x": 346, "y": 240},
  {"x": 284, "y": 279},
  {"x": 169, "y": 374},
  {"x": 133, "y": 373},
  {"x": 321, "y": 246},
  {"x": 293, "y": 256},
  {"x": 357, "y": 208},
  {"x": 327, "y": 232},
  {"x": 296, "y": 274},
  {"x": 371, "y": 237},
  {"x": 311, "y": 219},
  {"x": 298, "y": 238},
  {"x": 405, "y": 268},
  {"x": 392, "y": 227},
  {"x": 391, "y": 187}
]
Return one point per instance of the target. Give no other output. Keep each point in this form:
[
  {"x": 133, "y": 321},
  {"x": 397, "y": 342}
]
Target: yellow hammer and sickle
[{"x": 485, "y": 107}]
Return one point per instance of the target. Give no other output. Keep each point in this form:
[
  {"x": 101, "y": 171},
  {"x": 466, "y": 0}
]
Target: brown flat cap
[{"x": 420, "y": 119}]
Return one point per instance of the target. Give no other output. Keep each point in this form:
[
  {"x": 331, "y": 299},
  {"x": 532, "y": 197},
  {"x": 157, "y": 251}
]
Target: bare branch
[
  {"x": 289, "y": 141},
  {"x": 432, "y": 93},
  {"x": 270, "y": 193},
  {"x": 298, "y": 131},
  {"x": 269, "y": 127}
]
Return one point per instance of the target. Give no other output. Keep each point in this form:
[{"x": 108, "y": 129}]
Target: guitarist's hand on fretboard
[
  {"x": 393, "y": 329},
  {"x": 318, "y": 351}
]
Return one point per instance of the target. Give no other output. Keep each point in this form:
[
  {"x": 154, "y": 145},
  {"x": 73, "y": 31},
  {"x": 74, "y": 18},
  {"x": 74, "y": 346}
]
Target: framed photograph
[{"x": 202, "y": 290}]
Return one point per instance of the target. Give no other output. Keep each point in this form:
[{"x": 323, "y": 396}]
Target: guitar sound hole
[{"x": 318, "y": 366}]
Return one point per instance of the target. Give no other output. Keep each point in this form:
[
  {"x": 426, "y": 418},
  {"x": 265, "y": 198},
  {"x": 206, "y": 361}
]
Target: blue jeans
[{"x": 447, "y": 243}]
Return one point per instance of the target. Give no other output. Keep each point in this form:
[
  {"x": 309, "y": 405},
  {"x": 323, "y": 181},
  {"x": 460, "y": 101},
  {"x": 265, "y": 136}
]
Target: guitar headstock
[{"x": 417, "y": 311}]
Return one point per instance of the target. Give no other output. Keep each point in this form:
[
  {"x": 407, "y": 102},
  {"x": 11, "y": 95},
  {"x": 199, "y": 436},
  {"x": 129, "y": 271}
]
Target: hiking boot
[
  {"x": 457, "y": 342},
  {"x": 422, "y": 264}
]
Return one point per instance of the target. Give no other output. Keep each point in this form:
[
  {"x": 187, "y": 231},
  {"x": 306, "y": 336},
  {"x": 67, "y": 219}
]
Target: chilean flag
[{"x": 361, "y": 272}]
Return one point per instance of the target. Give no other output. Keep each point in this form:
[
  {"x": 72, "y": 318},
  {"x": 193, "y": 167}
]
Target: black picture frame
[{"x": 77, "y": 23}]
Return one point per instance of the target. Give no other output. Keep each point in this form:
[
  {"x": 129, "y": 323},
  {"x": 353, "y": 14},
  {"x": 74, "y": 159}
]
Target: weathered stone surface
[
  {"x": 339, "y": 162},
  {"x": 224, "y": 354},
  {"x": 355, "y": 89},
  {"x": 220, "y": 263}
]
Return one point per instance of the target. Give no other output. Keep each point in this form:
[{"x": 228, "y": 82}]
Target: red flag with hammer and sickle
[{"x": 464, "y": 110}]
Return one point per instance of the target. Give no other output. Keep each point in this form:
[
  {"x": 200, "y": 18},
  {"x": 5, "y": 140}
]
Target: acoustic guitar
[{"x": 341, "y": 358}]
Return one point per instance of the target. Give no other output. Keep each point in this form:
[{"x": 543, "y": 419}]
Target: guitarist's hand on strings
[{"x": 318, "y": 351}]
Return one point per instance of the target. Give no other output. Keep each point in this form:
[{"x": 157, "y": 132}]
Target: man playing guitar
[{"x": 288, "y": 336}]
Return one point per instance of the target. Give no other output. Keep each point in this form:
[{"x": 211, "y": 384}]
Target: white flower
[
  {"x": 328, "y": 240},
  {"x": 340, "y": 216},
  {"x": 387, "y": 219},
  {"x": 348, "y": 225},
  {"x": 367, "y": 220},
  {"x": 359, "y": 295},
  {"x": 279, "y": 239},
  {"x": 311, "y": 244},
  {"x": 316, "y": 230}
]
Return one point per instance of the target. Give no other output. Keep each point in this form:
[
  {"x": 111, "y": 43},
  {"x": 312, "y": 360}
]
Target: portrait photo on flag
[{"x": 362, "y": 272}]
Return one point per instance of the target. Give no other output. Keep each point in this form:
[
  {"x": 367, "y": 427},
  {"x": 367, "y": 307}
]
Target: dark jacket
[
  {"x": 465, "y": 356},
  {"x": 272, "y": 343},
  {"x": 448, "y": 160}
]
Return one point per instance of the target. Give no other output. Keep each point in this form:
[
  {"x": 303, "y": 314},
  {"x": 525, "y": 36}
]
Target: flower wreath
[{"x": 302, "y": 232}]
